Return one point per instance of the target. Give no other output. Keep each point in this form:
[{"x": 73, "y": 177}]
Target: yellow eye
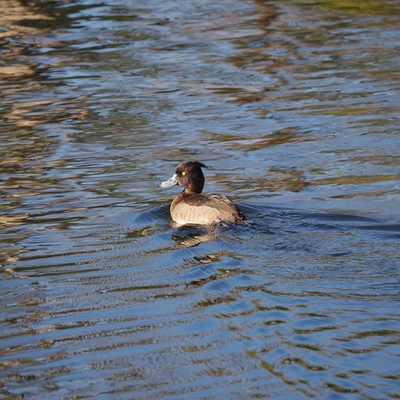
[{"x": 183, "y": 173}]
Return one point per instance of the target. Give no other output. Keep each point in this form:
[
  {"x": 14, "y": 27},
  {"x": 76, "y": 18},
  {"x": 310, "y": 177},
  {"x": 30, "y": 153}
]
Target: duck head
[{"x": 188, "y": 175}]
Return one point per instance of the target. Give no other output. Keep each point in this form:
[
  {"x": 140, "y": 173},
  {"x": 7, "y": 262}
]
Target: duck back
[{"x": 204, "y": 209}]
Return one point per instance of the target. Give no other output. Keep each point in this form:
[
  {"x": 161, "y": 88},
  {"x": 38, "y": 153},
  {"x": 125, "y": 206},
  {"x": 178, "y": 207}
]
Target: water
[{"x": 294, "y": 106}]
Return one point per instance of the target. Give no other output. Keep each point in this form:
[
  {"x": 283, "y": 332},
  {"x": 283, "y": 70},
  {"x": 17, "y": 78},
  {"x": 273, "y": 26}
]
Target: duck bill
[{"x": 169, "y": 183}]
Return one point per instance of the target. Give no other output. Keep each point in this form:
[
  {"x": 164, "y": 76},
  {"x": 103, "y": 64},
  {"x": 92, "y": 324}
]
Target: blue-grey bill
[{"x": 169, "y": 183}]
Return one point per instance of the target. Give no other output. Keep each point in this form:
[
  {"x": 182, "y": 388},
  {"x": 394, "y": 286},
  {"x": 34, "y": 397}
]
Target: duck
[{"x": 192, "y": 206}]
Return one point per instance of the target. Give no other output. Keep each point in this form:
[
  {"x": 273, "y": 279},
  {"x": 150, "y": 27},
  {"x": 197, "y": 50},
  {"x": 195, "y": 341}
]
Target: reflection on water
[{"x": 294, "y": 105}]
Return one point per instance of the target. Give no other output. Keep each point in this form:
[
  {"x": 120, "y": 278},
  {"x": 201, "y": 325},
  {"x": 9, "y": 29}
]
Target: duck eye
[{"x": 183, "y": 173}]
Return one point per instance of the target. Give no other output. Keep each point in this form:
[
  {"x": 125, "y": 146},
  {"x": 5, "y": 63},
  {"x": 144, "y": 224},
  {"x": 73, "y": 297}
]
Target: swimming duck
[{"x": 193, "y": 207}]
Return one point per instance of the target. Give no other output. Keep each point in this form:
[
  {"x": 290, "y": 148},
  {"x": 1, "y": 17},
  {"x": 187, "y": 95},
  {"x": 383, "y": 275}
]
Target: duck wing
[{"x": 228, "y": 211}]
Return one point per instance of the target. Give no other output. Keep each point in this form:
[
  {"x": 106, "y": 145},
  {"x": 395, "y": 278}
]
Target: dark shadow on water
[{"x": 153, "y": 215}]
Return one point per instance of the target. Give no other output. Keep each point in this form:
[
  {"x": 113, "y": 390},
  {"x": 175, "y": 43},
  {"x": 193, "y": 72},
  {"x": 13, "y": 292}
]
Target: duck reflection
[{"x": 191, "y": 236}]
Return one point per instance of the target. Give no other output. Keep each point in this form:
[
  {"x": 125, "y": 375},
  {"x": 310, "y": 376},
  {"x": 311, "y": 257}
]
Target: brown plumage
[{"x": 194, "y": 207}]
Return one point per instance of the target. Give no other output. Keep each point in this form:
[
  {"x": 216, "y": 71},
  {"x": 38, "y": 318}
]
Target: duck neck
[
  {"x": 183, "y": 195},
  {"x": 189, "y": 191},
  {"x": 192, "y": 188}
]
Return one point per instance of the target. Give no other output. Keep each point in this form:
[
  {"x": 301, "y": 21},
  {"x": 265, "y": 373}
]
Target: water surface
[{"x": 294, "y": 106}]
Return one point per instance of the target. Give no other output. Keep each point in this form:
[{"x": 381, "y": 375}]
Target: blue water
[{"x": 293, "y": 106}]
